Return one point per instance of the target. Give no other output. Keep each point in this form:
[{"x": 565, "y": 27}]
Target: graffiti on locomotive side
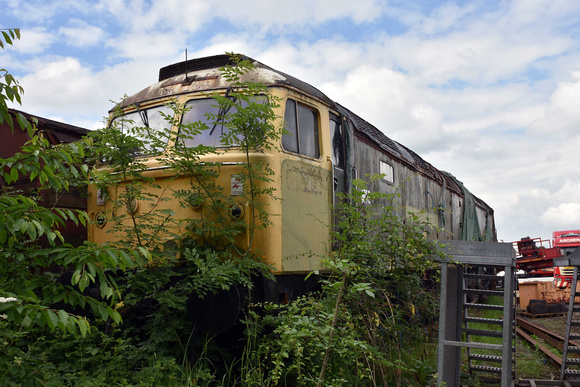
[{"x": 306, "y": 178}]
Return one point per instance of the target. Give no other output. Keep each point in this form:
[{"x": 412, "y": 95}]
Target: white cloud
[
  {"x": 296, "y": 14},
  {"x": 133, "y": 46},
  {"x": 81, "y": 34},
  {"x": 176, "y": 15},
  {"x": 41, "y": 11},
  {"x": 562, "y": 113},
  {"x": 563, "y": 216},
  {"x": 65, "y": 90},
  {"x": 34, "y": 40}
]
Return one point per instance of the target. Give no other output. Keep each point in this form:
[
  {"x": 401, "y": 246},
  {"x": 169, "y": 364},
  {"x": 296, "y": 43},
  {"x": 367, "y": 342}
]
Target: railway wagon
[{"x": 326, "y": 146}]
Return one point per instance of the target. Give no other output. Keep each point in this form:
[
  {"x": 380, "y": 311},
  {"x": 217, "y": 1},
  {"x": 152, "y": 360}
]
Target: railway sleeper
[
  {"x": 573, "y": 361},
  {"x": 573, "y": 349},
  {"x": 575, "y": 323}
]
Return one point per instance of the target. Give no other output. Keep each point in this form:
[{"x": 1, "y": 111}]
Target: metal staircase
[
  {"x": 464, "y": 280},
  {"x": 571, "y": 365},
  {"x": 487, "y": 362}
]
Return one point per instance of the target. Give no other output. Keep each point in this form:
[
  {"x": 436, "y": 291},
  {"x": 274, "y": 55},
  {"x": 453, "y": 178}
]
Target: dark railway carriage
[
  {"x": 56, "y": 133},
  {"x": 327, "y": 147}
]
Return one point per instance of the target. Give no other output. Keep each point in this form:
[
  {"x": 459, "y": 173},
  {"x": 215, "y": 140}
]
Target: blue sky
[{"x": 486, "y": 90}]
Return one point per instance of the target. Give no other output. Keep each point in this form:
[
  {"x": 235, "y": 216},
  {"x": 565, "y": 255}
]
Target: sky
[{"x": 486, "y": 90}]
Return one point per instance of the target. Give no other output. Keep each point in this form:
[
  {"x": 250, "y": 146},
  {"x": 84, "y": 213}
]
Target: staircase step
[
  {"x": 489, "y": 358},
  {"x": 479, "y": 357},
  {"x": 484, "y": 292},
  {"x": 482, "y": 276},
  {"x": 478, "y": 368},
  {"x": 482, "y": 332},
  {"x": 483, "y": 306},
  {"x": 484, "y": 320}
]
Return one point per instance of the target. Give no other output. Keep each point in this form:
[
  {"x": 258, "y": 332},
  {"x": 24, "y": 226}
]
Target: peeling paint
[{"x": 306, "y": 178}]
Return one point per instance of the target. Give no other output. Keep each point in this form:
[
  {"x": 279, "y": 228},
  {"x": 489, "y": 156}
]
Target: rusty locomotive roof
[{"x": 203, "y": 74}]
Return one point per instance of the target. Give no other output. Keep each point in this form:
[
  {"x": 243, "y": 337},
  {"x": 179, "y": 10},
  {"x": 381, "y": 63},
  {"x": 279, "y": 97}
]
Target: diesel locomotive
[{"x": 324, "y": 147}]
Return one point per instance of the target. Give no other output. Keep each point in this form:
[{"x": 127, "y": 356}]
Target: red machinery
[{"x": 535, "y": 255}]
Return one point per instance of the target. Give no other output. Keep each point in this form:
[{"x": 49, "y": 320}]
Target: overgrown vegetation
[
  {"x": 375, "y": 304},
  {"x": 32, "y": 250},
  {"x": 369, "y": 324}
]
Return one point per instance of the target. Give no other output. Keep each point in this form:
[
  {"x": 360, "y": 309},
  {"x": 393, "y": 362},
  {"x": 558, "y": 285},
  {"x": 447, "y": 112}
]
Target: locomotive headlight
[
  {"x": 237, "y": 211},
  {"x": 101, "y": 219},
  {"x": 132, "y": 206}
]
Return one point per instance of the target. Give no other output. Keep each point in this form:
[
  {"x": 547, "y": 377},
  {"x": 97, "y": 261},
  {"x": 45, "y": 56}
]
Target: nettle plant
[{"x": 376, "y": 299}]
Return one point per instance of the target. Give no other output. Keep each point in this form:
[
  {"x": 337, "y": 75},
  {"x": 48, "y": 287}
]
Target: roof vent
[{"x": 191, "y": 65}]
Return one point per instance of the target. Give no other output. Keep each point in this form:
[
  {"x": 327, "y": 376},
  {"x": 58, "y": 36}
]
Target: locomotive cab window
[
  {"x": 387, "y": 171},
  {"x": 146, "y": 125},
  {"x": 301, "y": 123},
  {"x": 213, "y": 122}
]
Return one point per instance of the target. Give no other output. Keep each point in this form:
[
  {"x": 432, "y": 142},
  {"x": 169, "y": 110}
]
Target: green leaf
[
  {"x": 14, "y": 174},
  {"x": 82, "y": 283},
  {"x": 83, "y": 326},
  {"x": 7, "y": 38},
  {"x": 51, "y": 319},
  {"x": 115, "y": 316},
  {"x": 31, "y": 231},
  {"x": 63, "y": 316},
  {"x": 26, "y": 321}
]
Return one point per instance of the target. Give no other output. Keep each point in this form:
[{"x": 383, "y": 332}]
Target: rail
[{"x": 525, "y": 329}]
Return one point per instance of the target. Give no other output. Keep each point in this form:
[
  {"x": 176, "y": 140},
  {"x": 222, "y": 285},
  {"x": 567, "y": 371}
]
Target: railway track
[{"x": 526, "y": 329}]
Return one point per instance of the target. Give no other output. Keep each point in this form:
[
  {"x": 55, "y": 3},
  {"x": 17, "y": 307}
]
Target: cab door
[{"x": 337, "y": 139}]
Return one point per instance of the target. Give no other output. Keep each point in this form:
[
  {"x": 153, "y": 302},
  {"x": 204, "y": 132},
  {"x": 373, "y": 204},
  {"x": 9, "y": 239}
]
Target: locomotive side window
[
  {"x": 301, "y": 123},
  {"x": 387, "y": 170},
  {"x": 150, "y": 120},
  {"x": 337, "y": 142}
]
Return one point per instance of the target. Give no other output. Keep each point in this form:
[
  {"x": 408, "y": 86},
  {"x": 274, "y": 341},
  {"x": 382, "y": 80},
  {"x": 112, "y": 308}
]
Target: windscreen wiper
[{"x": 222, "y": 113}]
